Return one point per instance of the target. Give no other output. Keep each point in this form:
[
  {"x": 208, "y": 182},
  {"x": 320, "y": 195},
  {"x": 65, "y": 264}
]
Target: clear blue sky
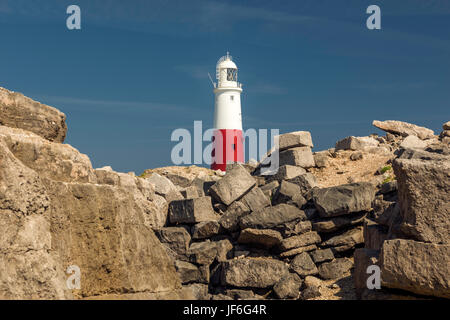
[{"x": 138, "y": 69}]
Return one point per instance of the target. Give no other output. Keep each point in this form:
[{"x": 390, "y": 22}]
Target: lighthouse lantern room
[{"x": 227, "y": 138}]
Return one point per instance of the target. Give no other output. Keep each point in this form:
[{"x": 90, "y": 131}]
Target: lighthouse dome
[{"x": 227, "y": 64}]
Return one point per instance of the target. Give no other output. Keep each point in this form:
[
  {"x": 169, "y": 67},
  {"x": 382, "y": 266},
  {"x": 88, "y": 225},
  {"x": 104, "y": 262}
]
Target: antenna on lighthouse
[{"x": 212, "y": 82}]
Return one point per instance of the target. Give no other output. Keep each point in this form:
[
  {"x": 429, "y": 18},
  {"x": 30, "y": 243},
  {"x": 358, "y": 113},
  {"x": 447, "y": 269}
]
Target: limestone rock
[
  {"x": 233, "y": 186},
  {"x": 422, "y": 268},
  {"x": 321, "y": 159},
  {"x": 404, "y": 129},
  {"x": 205, "y": 229},
  {"x": 347, "y": 240},
  {"x": 230, "y": 219},
  {"x": 176, "y": 240},
  {"x": 192, "y": 211},
  {"x": 165, "y": 188},
  {"x": 18, "y": 111},
  {"x": 294, "y": 139},
  {"x": 250, "y": 272},
  {"x": 335, "y": 269},
  {"x": 266, "y": 238},
  {"x": 288, "y": 287},
  {"x": 272, "y": 216},
  {"x": 300, "y": 156},
  {"x": 302, "y": 240},
  {"x": 322, "y": 255},
  {"x": 356, "y": 143},
  {"x": 255, "y": 199},
  {"x": 413, "y": 142},
  {"x": 343, "y": 199},
  {"x": 303, "y": 265},
  {"x": 287, "y": 172},
  {"x": 306, "y": 182},
  {"x": 425, "y": 214},
  {"x": 337, "y": 223}
]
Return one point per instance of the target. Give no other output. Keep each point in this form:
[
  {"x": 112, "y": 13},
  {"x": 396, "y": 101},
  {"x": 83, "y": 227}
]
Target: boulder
[
  {"x": 294, "y": 139},
  {"x": 374, "y": 235},
  {"x": 337, "y": 223},
  {"x": 288, "y": 193},
  {"x": 272, "y": 216},
  {"x": 322, "y": 255},
  {"x": 421, "y": 268},
  {"x": 287, "y": 172},
  {"x": 190, "y": 273},
  {"x": 266, "y": 238},
  {"x": 230, "y": 219},
  {"x": 288, "y": 287},
  {"x": 446, "y": 126},
  {"x": 321, "y": 159},
  {"x": 302, "y": 240},
  {"x": 18, "y": 111},
  {"x": 203, "y": 252},
  {"x": 312, "y": 288},
  {"x": 335, "y": 269},
  {"x": 297, "y": 251},
  {"x": 251, "y": 272},
  {"x": 176, "y": 240},
  {"x": 343, "y": 199},
  {"x": 233, "y": 186},
  {"x": 306, "y": 182},
  {"x": 192, "y": 211},
  {"x": 55, "y": 161},
  {"x": 404, "y": 129},
  {"x": 205, "y": 229},
  {"x": 301, "y": 157},
  {"x": 346, "y": 241},
  {"x": 294, "y": 228},
  {"x": 356, "y": 143},
  {"x": 191, "y": 192},
  {"x": 413, "y": 142},
  {"x": 49, "y": 224},
  {"x": 255, "y": 199},
  {"x": 425, "y": 214},
  {"x": 164, "y": 187},
  {"x": 303, "y": 265}
]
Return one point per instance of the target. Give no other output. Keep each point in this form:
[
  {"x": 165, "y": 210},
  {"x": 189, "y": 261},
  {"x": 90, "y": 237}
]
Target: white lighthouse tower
[{"x": 227, "y": 140}]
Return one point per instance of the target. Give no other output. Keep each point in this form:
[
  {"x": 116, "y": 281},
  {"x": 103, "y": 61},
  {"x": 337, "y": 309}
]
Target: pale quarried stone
[
  {"x": 287, "y": 172},
  {"x": 403, "y": 128},
  {"x": 413, "y": 142}
]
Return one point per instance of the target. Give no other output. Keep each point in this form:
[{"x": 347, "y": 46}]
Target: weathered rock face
[
  {"x": 404, "y": 129},
  {"x": 344, "y": 199},
  {"x": 422, "y": 268},
  {"x": 18, "y": 111},
  {"x": 424, "y": 194},
  {"x": 300, "y": 156},
  {"x": 51, "y": 219}
]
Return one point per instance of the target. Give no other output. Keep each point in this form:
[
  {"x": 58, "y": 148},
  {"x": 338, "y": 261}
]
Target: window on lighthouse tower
[{"x": 231, "y": 74}]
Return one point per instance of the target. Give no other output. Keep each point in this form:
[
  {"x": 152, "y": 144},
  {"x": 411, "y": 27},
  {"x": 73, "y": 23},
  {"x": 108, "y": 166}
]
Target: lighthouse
[{"x": 227, "y": 138}]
